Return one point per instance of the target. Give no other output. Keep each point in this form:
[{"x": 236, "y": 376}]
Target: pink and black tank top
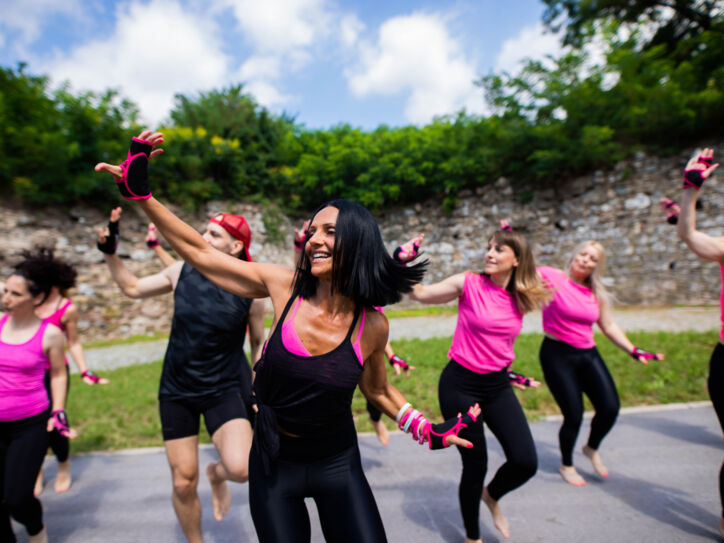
[
  {"x": 571, "y": 313},
  {"x": 488, "y": 323},
  {"x": 307, "y": 396},
  {"x": 22, "y": 374}
]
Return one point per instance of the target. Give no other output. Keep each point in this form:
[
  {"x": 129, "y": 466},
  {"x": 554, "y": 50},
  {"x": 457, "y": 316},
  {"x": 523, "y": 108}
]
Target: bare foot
[
  {"x": 721, "y": 526},
  {"x": 571, "y": 476},
  {"x": 63, "y": 479},
  {"x": 40, "y": 537},
  {"x": 468, "y": 540},
  {"x": 220, "y": 494},
  {"x": 595, "y": 458},
  {"x": 382, "y": 434},
  {"x": 38, "y": 490},
  {"x": 498, "y": 519}
]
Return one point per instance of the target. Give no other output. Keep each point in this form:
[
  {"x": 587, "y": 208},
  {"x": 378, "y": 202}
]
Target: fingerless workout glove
[
  {"x": 637, "y": 353},
  {"x": 693, "y": 179},
  {"x": 109, "y": 246},
  {"x": 133, "y": 183},
  {"x": 61, "y": 423},
  {"x": 518, "y": 378},
  {"x": 403, "y": 257},
  {"x": 394, "y": 359}
]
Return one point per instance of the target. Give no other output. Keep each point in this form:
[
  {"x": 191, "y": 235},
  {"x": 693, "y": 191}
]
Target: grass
[{"x": 124, "y": 414}]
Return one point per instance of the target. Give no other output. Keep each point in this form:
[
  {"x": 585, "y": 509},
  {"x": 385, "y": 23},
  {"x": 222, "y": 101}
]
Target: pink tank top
[
  {"x": 292, "y": 343},
  {"x": 571, "y": 313},
  {"x": 488, "y": 323},
  {"x": 22, "y": 375},
  {"x": 57, "y": 316},
  {"x": 721, "y": 303}
]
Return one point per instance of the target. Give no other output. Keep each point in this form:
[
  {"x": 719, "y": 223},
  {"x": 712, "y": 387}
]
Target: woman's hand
[
  {"x": 453, "y": 438},
  {"x": 131, "y": 175},
  {"x": 699, "y": 168},
  {"x": 408, "y": 251}
]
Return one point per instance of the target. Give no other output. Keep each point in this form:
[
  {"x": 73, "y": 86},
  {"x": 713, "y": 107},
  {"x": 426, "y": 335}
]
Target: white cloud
[
  {"x": 350, "y": 27},
  {"x": 267, "y": 94},
  {"x": 29, "y": 16},
  {"x": 281, "y": 27},
  {"x": 532, "y": 42},
  {"x": 157, "y": 49},
  {"x": 416, "y": 54}
]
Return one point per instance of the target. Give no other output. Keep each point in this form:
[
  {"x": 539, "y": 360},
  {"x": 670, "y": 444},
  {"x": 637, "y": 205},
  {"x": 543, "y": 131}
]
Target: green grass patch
[
  {"x": 125, "y": 340},
  {"x": 124, "y": 414}
]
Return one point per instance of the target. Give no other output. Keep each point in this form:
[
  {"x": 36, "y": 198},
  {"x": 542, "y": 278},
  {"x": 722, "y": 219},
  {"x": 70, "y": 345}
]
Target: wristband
[
  {"x": 88, "y": 374},
  {"x": 402, "y": 412},
  {"x": 398, "y": 253},
  {"x": 61, "y": 423},
  {"x": 110, "y": 245},
  {"x": 637, "y": 354},
  {"x": 518, "y": 378},
  {"x": 152, "y": 243}
]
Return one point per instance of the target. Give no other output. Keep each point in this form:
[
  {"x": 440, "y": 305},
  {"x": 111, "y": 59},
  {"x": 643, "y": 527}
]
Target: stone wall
[{"x": 646, "y": 264}]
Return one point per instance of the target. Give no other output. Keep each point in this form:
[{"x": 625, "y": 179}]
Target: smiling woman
[{"x": 326, "y": 339}]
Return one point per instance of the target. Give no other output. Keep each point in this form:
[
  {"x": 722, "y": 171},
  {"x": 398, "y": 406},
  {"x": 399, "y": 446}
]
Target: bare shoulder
[
  {"x": 376, "y": 327},
  {"x": 173, "y": 272},
  {"x": 52, "y": 335}
]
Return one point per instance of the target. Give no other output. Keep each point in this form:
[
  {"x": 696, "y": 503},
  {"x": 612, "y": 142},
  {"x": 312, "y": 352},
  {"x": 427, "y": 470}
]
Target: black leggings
[
  {"x": 60, "y": 445},
  {"x": 22, "y": 448},
  {"x": 347, "y": 509},
  {"x": 375, "y": 414},
  {"x": 715, "y": 383},
  {"x": 569, "y": 373},
  {"x": 460, "y": 388}
]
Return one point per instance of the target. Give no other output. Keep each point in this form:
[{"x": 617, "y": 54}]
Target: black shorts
[{"x": 180, "y": 418}]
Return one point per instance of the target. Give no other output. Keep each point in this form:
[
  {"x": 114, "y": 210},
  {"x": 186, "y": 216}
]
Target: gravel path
[{"x": 672, "y": 319}]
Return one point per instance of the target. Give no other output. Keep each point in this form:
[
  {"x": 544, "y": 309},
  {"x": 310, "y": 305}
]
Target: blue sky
[{"x": 325, "y": 62}]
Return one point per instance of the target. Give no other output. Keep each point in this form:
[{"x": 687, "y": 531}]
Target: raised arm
[
  {"x": 153, "y": 244},
  {"x": 698, "y": 169},
  {"x": 248, "y": 279}
]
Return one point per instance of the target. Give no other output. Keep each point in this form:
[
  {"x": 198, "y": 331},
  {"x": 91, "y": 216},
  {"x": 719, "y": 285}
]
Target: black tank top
[
  {"x": 205, "y": 353},
  {"x": 308, "y": 396}
]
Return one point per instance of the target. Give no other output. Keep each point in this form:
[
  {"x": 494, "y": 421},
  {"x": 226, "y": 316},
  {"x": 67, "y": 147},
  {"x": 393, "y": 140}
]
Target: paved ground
[
  {"x": 663, "y": 488},
  {"x": 668, "y": 319}
]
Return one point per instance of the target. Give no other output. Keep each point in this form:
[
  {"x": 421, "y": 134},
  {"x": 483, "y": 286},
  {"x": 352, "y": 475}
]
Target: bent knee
[{"x": 238, "y": 470}]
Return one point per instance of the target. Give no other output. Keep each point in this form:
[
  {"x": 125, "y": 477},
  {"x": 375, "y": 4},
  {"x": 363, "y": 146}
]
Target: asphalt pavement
[{"x": 663, "y": 487}]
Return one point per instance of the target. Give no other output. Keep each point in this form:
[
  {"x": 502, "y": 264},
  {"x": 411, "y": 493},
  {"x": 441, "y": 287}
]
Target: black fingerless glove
[
  {"x": 109, "y": 246},
  {"x": 133, "y": 183}
]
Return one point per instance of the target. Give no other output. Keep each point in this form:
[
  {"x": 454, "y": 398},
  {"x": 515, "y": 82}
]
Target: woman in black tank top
[{"x": 305, "y": 444}]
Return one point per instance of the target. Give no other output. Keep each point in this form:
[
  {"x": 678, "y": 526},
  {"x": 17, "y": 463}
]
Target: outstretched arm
[
  {"x": 442, "y": 292},
  {"x": 703, "y": 245},
  {"x": 153, "y": 244},
  {"x": 377, "y": 389},
  {"x": 617, "y": 336}
]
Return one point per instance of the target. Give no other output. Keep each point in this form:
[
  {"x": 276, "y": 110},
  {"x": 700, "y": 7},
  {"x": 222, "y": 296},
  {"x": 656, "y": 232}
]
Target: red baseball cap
[{"x": 237, "y": 226}]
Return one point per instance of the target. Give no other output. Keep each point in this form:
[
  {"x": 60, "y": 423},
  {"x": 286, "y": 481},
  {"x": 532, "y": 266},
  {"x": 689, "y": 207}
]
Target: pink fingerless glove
[
  {"x": 60, "y": 421},
  {"x": 403, "y": 257},
  {"x": 88, "y": 374},
  {"x": 693, "y": 178},
  {"x": 436, "y": 433},
  {"x": 133, "y": 183},
  {"x": 637, "y": 354},
  {"x": 396, "y": 360},
  {"x": 518, "y": 378}
]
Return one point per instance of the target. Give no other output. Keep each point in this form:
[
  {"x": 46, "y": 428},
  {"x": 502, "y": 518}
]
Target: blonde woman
[
  {"x": 491, "y": 305},
  {"x": 571, "y": 363}
]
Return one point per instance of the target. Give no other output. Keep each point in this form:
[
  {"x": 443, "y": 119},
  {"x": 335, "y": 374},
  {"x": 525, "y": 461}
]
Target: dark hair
[
  {"x": 43, "y": 271},
  {"x": 362, "y": 269}
]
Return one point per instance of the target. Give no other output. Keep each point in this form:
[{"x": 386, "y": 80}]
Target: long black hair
[
  {"x": 42, "y": 271},
  {"x": 362, "y": 269}
]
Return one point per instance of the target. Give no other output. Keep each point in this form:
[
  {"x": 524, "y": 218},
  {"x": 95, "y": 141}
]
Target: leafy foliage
[{"x": 551, "y": 120}]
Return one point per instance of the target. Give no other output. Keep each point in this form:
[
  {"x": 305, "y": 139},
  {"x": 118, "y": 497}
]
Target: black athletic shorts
[{"x": 180, "y": 418}]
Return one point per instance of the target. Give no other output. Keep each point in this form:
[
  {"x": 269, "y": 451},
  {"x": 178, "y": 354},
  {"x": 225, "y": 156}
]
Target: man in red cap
[{"x": 205, "y": 371}]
